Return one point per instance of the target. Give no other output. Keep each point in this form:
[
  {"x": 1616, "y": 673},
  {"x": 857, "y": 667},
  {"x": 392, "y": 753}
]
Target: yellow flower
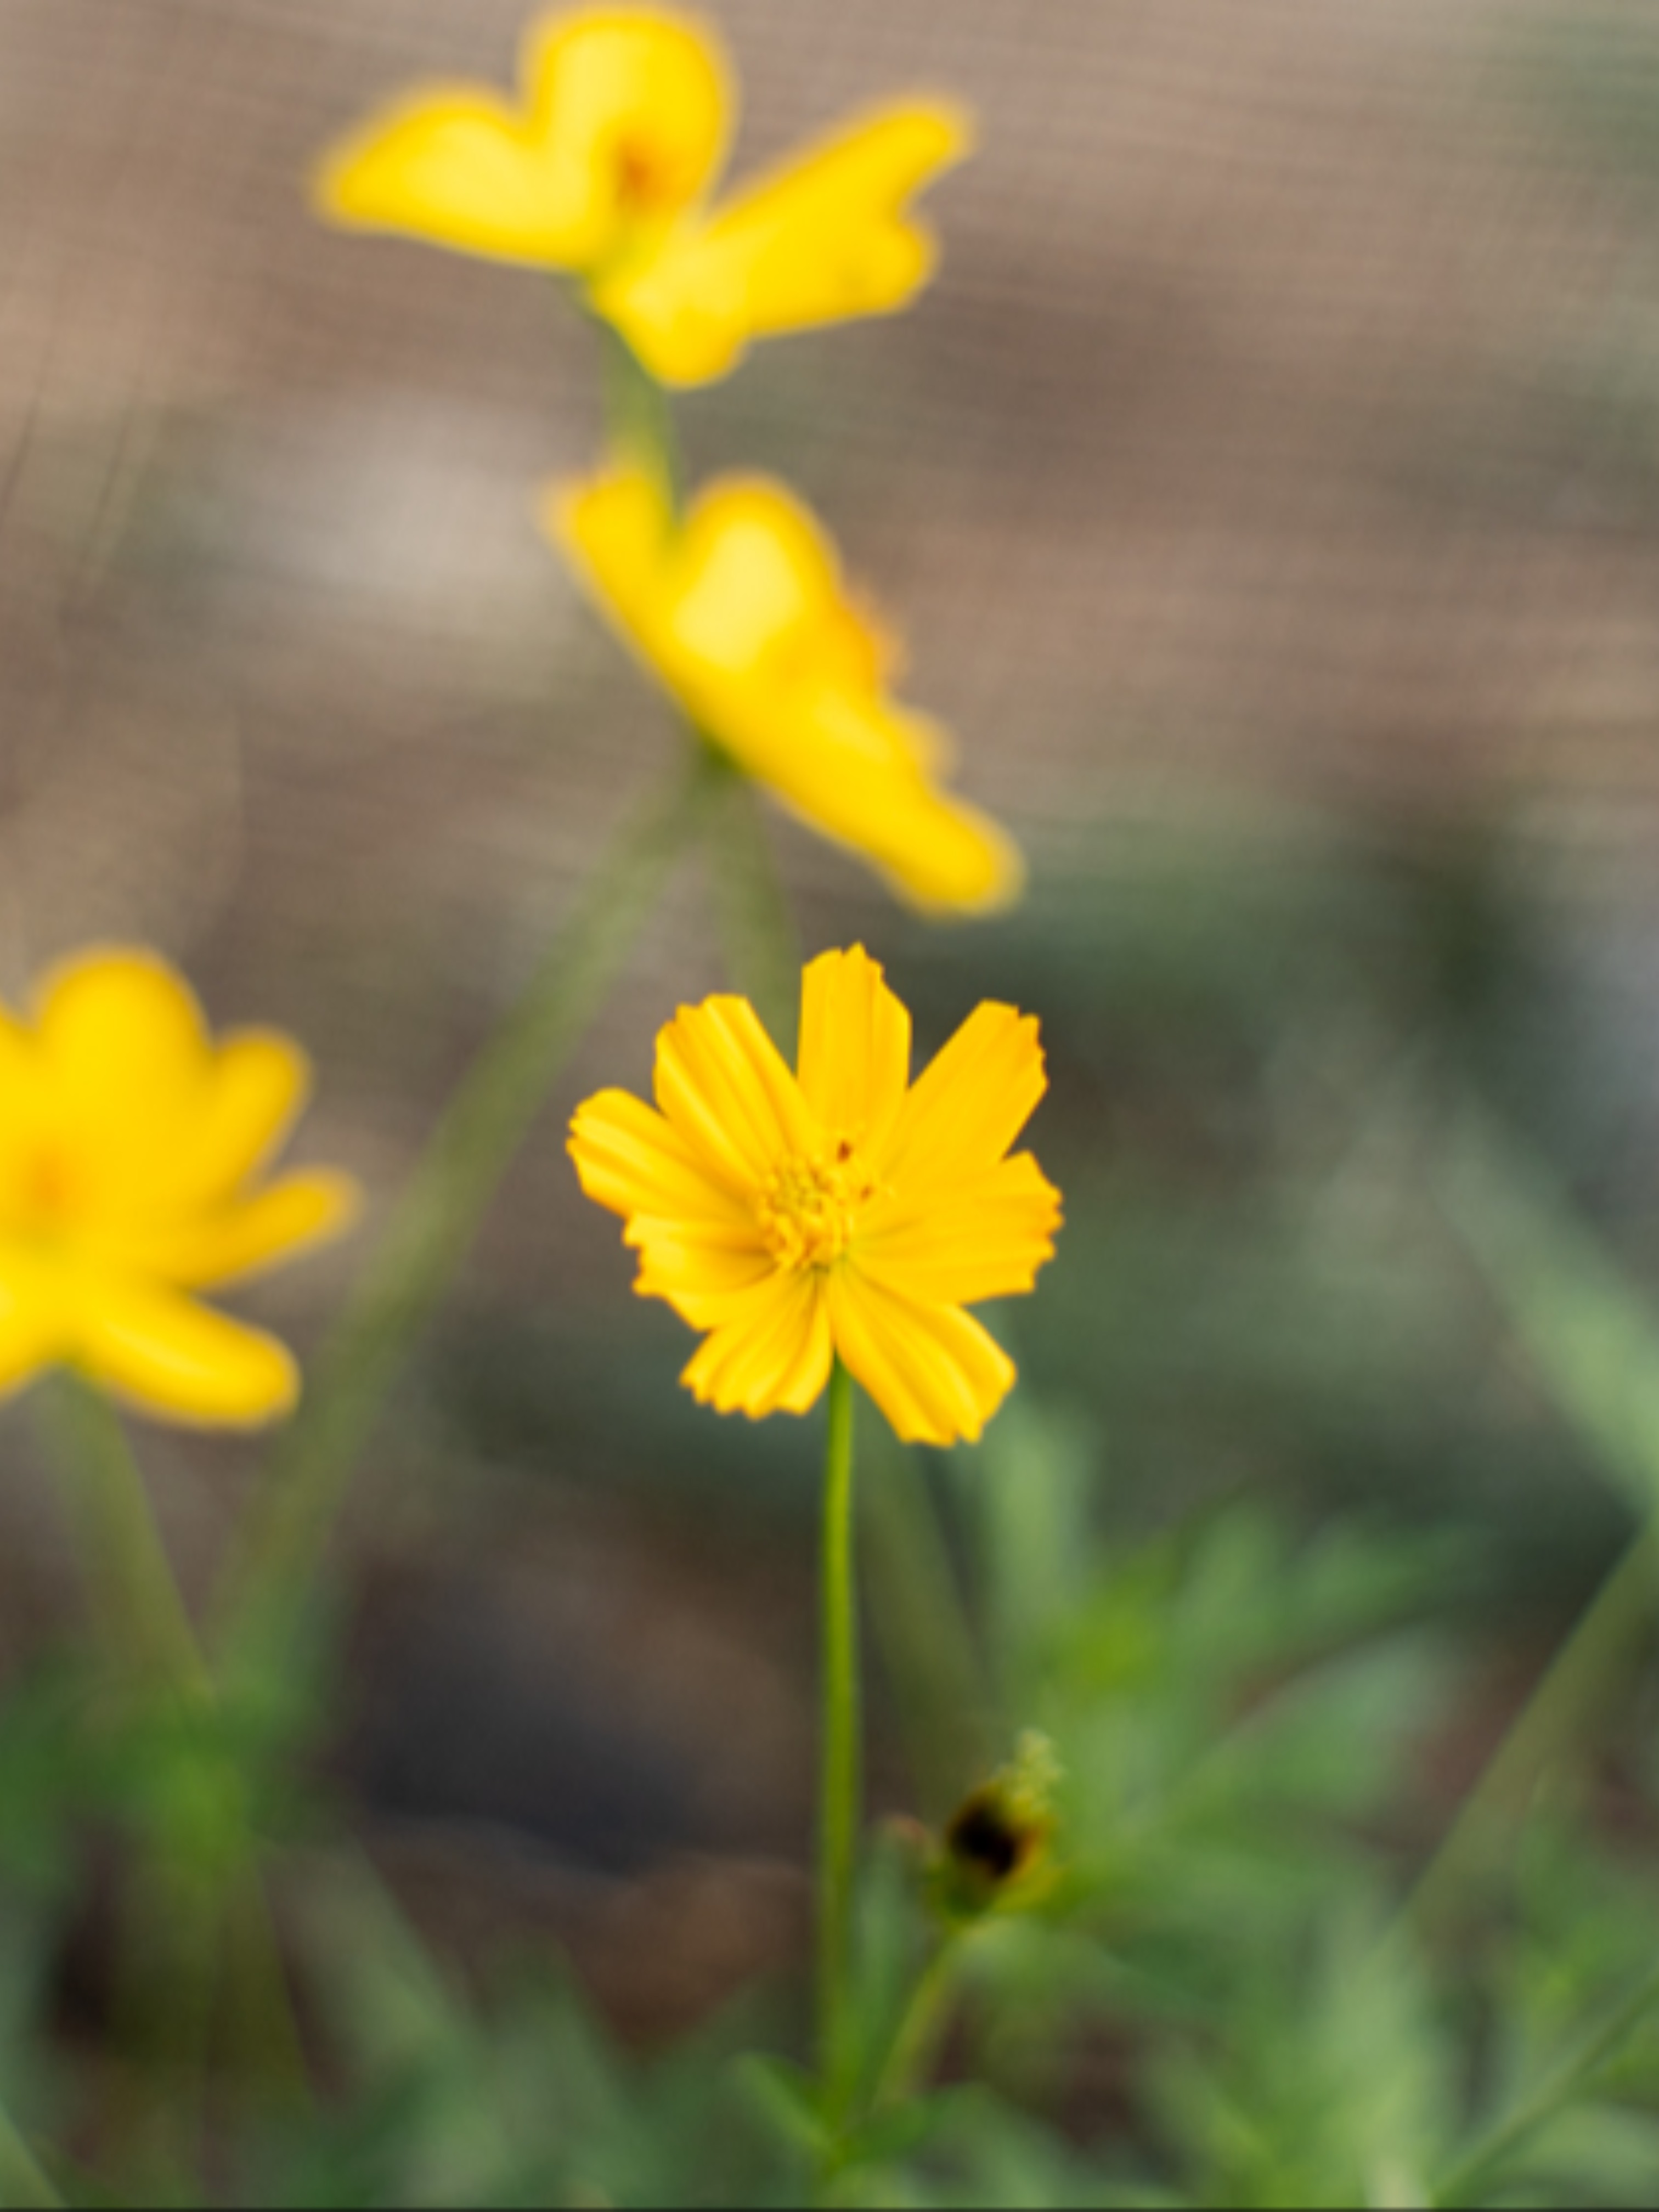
[
  {"x": 742, "y": 613},
  {"x": 603, "y": 171},
  {"x": 130, "y": 1145},
  {"x": 842, "y": 1210}
]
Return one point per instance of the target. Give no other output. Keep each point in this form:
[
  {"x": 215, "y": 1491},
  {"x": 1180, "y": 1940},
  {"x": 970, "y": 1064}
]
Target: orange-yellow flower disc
[
  {"x": 131, "y": 1149},
  {"x": 839, "y": 1210},
  {"x": 603, "y": 169},
  {"x": 742, "y": 613}
]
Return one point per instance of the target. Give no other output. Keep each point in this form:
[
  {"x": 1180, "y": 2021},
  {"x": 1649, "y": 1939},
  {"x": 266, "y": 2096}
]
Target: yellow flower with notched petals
[
  {"x": 130, "y": 1149},
  {"x": 603, "y": 172},
  {"x": 741, "y": 612},
  {"x": 842, "y": 1210}
]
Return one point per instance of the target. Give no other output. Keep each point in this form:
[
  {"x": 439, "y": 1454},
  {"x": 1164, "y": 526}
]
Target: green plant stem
[
  {"x": 757, "y": 932},
  {"x": 839, "y": 1782},
  {"x": 921, "y": 1626},
  {"x": 917, "y": 2037},
  {"x": 762, "y": 949},
  {"x": 638, "y": 413},
  {"x": 436, "y": 1219},
  {"x": 135, "y": 1599},
  {"x": 1552, "y": 1722},
  {"x": 1465, "y": 2183},
  {"x": 22, "y": 2181},
  {"x": 1590, "y": 1336}
]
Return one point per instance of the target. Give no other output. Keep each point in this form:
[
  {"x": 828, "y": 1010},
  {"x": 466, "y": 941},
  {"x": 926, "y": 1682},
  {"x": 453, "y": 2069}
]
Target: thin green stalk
[
  {"x": 22, "y": 2181},
  {"x": 1576, "y": 1682},
  {"x": 639, "y": 415},
  {"x": 167, "y": 1973},
  {"x": 913, "y": 2046},
  {"x": 439, "y": 1215},
  {"x": 1590, "y": 1338},
  {"x": 839, "y": 1790},
  {"x": 762, "y": 949},
  {"x": 922, "y": 1629},
  {"x": 135, "y": 1598},
  {"x": 1465, "y": 2183}
]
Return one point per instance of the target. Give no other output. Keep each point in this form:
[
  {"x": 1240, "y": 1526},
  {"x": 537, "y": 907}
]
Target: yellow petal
[
  {"x": 720, "y": 1081},
  {"x": 31, "y": 1330},
  {"x": 632, "y": 1159},
  {"x": 633, "y": 107},
  {"x": 126, "y": 1066},
  {"x": 625, "y": 119},
  {"x": 615, "y": 529},
  {"x": 706, "y": 1276},
  {"x": 855, "y": 1045},
  {"x": 823, "y": 238},
  {"x": 933, "y": 1370},
  {"x": 454, "y": 165},
  {"x": 253, "y": 1089},
  {"x": 844, "y": 765},
  {"x": 242, "y": 1238},
  {"x": 772, "y": 1358},
  {"x": 968, "y": 1103},
  {"x": 751, "y": 570},
  {"x": 983, "y": 1239},
  {"x": 172, "y": 1357},
  {"x": 744, "y": 618},
  {"x": 117, "y": 1018}
]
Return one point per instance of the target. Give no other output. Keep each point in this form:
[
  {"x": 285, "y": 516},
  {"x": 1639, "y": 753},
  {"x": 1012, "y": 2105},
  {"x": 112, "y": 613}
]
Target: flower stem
[
  {"x": 763, "y": 951},
  {"x": 439, "y": 1215},
  {"x": 141, "y": 1615},
  {"x": 839, "y": 1784},
  {"x": 1575, "y": 1683},
  {"x": 22, "y": 2182},
  {"x": 1466, "y": 2181},
  {"x": 919, "y": 2030},
  {"x": 639, "y": 415}
]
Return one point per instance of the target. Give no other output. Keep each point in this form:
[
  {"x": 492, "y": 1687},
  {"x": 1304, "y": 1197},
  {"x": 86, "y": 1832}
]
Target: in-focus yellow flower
[
  {"x": 130, "y": 1150},
  {"x": 840, "y": 1210},
  {"x": 742, "y": 613},
  {"x": 604, "y": 170}
]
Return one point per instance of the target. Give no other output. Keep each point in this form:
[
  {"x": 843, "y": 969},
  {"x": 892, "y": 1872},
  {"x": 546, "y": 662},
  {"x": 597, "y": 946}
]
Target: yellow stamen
[
  {"x": 808, "y": 1210},
  {"x": 48, "y": 1190}
]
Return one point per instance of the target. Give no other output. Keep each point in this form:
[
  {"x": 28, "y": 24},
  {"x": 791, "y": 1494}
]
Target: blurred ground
[{"x": 1282, "y": 432}]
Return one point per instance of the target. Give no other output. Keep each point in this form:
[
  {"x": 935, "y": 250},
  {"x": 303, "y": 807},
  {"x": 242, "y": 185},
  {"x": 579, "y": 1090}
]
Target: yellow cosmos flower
[
  {"x": 130, "y": 1145},
  {"x": 840, "y": 1210},
  {"x": 742, "y": 613},
  {"x": 603, "y": 171}
]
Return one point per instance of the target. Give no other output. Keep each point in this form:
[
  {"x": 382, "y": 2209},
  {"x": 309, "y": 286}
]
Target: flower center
[
  {"x": 646, "y": 177},
  {"x": 809, "y": 1207},
  {"x": 44, "y": 1195}
]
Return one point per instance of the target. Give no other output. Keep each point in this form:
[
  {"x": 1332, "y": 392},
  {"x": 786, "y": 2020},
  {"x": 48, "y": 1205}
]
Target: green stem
[
  {"x": 135, "y": 1598},
  {"x": 914, "y": 2045},
  {"x": 1551, "y": 1724},
  {"x": 440, "y": 1212},
  {"x": 921, "y": 1630},
  {"x": 839, "y": 1784},
  {"x": 638, "y": 414},
  {"x": 22, "y": 2182},
  {"x": 1464, "y": 2185},
  {"x": 763, "y": 951},
  {"x": 1590, "y": 1336}
]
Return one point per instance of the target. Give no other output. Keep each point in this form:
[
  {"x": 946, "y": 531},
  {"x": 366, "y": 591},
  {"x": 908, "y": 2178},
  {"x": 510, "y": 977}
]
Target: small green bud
[{"x": 994, "y": 1854}]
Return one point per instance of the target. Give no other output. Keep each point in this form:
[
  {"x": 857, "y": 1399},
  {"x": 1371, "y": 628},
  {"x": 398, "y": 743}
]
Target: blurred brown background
[{"x": 1281, "y": 438}]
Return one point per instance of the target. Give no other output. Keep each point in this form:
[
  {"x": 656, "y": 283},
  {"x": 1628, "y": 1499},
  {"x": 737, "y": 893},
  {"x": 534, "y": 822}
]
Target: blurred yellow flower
[
  {"x": 603, "y": 171},
  {"x": 130, "y": 1148},
  {"x": 842, "y": 1210},
  {"x": 742, "y": 613}
]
